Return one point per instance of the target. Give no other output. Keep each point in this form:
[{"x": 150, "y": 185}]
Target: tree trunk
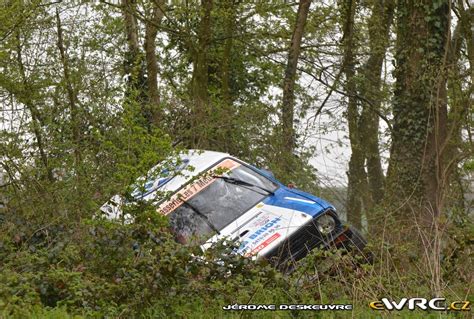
[
  {"x": 414, "y": 181},
  {"x": 370, "y": 88},
  {"x": 227, "y": 52},
  {"x": 76, "y": 130},
  {"x": 151, "y": 30},
  {"x": 288, "y": 101},
  {"x": 227, "y": 112},
  {"x": 467, "y": 16},
  {"x": 199, "y": 84},
  {"x": 357, "y": 177},
  {"x": 133, "y": 62},
  {"x": 134, "y": 66},
  {"x": 460, "y": 104},
  {"x": 35, "y": 114}
]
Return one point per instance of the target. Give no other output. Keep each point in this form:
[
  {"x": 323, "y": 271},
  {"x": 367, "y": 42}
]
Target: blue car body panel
[
  {"x": 283, "y": 195},
  {"x": 320, "y": 201}
]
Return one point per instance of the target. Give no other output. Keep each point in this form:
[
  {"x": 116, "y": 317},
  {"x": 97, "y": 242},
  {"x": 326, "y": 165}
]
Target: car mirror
[{"x": 268, "y": 172}]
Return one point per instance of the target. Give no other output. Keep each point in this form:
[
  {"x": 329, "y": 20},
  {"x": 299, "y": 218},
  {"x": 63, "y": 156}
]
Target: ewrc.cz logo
[{"x": 438, "y": 304}]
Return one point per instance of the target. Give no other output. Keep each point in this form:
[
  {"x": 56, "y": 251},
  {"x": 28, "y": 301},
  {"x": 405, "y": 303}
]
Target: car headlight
[{"x": 326, "y": 224}]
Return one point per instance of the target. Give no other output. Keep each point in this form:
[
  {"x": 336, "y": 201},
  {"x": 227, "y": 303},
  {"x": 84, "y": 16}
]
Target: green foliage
[
  {"x": 71, "y": 137},
  {"x": 101, "y": 268}
]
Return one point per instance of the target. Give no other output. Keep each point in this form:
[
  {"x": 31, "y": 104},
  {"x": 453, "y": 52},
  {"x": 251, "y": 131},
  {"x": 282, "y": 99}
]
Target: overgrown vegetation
[
  {"x": 93, "y": 95},
  {"x": 97, "y": 268}
]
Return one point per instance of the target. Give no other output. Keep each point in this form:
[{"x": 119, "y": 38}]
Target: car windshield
[{"x": 211, "y": 203}]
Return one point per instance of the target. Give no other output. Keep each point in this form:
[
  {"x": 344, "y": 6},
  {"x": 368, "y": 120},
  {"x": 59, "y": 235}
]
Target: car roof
[
  {"x": 200, "y": 157},
  {"x": 192, "y": 162}
]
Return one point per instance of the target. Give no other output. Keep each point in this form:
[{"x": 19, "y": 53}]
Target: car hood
[{"x": 269, "y": 223}]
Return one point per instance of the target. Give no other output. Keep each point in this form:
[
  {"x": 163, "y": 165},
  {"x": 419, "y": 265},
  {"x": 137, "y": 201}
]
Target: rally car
[{"x": 211, "y": 196}]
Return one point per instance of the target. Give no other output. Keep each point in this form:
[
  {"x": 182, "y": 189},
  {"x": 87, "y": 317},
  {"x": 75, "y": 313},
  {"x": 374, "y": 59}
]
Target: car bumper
[
  {"x": 308, "y": 238},
  {"x": 348, "y": 237}
]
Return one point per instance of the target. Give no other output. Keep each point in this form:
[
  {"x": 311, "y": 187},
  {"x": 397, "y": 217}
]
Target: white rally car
[{"x": 214, "y": 196}]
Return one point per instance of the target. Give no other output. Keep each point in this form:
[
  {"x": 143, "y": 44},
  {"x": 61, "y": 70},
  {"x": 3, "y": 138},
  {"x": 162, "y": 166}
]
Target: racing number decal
[{"x": 192, "y": 189}]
